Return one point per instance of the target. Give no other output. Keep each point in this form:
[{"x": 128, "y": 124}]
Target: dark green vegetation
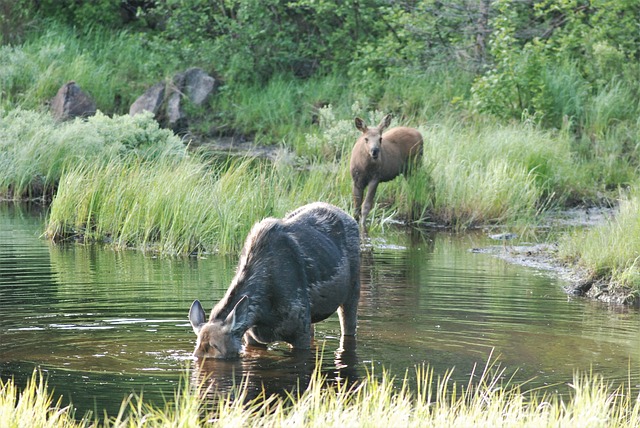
[{"x": 524, "y": 105}]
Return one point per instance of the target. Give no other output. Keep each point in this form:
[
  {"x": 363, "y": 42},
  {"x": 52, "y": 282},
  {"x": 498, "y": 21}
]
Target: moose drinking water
[
  {"x": 292, "y": 272},
  {"x": 378, "y": 157}
]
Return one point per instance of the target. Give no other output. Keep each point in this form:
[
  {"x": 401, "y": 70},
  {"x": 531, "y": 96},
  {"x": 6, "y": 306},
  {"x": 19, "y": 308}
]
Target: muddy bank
[
  {"x": 543, "y": 256},
  {"x": 579, "y": 281}
]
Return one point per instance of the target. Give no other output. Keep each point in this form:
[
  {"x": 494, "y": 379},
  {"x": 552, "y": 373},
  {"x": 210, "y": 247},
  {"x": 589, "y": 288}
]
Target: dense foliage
[{"x": 548, "y": 58}]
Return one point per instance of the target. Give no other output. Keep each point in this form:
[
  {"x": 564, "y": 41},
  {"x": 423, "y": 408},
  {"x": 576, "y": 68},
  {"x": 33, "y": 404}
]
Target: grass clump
[
  {"x": 476, "y": 174},
  {"x": 181, "y": 206},
  {"x": 610, "y": 252},
  {"x": 371, "y": 402},
  {"x": 34, "y": 406}
]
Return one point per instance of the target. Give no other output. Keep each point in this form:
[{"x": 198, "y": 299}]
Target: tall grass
[
  {"x": 280, "y": 111},
  {"x": 610, "y": 251},
  {"x": 34, "y": 406},
  {"x": 489, "y": 172},
  {"x": 182, "y": 206},
  {"x": 425, "y": 96},
  {"x": 113, "y": 68},
  {"x": 374, "y": 401},
  {"x": 114, "y": 191}
]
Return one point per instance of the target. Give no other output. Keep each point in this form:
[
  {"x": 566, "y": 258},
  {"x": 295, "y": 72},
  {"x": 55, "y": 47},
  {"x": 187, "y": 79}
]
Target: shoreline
[{"x": 542, "y": 256}]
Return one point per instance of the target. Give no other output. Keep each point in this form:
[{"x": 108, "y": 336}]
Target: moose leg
[
  {"x": 348, "y": 313},
  {"x": 357, "y": 201},
  {"x": 302, "y": 340},
  {"x": 368, "y": 202}
]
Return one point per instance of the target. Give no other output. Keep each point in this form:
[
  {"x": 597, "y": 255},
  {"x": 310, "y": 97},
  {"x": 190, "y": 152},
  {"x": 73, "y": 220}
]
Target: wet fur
[{"x": 294, "y": 271}]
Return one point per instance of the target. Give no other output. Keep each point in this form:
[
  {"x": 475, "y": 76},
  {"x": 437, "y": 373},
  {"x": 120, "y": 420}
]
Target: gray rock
[
  {"x": 175, "y": 117},
  {"x": 166, "y": 102},
  {"x": 198, "y": 85},
  {"x": 71, "y": 102},
  {"x": 151, "y": 100}
]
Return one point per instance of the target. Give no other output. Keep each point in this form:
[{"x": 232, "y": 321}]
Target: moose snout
[{"x": 374, "y": 153}]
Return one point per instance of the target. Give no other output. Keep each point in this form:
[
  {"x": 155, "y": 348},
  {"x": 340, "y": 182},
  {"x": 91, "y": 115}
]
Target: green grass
[
  {"x": 611, "y": 251},
  {"x": 469, "y": 176},
  {"x": 436, "y": 402},
  {"x": 183, "y": 206},
  {"x": 279, "y": 112},
  {"x": 113, "y": 68}
]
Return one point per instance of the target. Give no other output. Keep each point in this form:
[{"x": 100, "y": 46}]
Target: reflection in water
[
  {"x": 103, "y": 324},
  {"x": 280, "y": 371}
]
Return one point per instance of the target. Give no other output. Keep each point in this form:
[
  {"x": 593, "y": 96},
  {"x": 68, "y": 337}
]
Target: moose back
[
  {"x": 292, "y": 272},
  {"x": 378, "y": 157}
]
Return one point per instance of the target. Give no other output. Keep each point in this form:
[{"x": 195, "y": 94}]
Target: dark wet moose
[
  {"x": 292, "y": 272},
  {"x": 378, "y": 157}
]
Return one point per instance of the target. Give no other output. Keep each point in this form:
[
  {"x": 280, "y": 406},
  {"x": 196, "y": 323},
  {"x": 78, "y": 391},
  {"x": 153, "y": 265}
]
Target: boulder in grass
[
  {"x": 198, "y": 85},
  {"x": 151, "y": 100},
  {"x": 71, "y": 102},
  {"x": 166, "y": 102}
]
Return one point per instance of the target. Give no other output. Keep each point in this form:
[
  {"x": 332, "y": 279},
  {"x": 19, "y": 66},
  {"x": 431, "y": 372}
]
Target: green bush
[{"x": 35, "y": 150}]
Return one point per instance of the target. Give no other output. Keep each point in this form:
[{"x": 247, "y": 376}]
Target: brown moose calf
[{"x": 378, "y": 157}]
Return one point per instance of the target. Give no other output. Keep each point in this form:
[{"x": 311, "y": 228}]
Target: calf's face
[
  {"x": 373, "y": 136},
  {"x": 217, "y": 338}
]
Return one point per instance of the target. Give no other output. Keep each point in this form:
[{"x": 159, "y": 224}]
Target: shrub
[{"x": 35, "y": 150}]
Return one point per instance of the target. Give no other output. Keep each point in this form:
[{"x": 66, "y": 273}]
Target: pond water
[{"x": 102, "y": 324}]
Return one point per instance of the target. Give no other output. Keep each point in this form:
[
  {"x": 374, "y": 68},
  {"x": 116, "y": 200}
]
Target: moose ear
[
  {"x": 237, "y": 318},
  {"x": 196, "y": 316},
  {"x": 385, "y": 122},
  {"x": 360, "y": 125}
]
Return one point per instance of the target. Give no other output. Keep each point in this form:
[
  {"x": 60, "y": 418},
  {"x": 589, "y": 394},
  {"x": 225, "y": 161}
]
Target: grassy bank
[
  {"x": 609, "y": 253},
  {"x": 35, "y": 151},
  {"x": 124, "y": 181},
  {"x": 185, "y": 204},
  {"x": 436, "y": 402}
]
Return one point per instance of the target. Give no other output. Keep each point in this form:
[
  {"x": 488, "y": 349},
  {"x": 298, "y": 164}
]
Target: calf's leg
[
  {"x": 357, "y": 201},
  {"x": 368, "y": 202}
]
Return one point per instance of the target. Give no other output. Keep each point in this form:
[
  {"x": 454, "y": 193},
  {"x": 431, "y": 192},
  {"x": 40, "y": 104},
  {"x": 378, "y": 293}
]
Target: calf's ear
[
  {"x": 197, "y": 316},
  {"x": 385, "y": 122},
  {"x": 360, "y": 125}
]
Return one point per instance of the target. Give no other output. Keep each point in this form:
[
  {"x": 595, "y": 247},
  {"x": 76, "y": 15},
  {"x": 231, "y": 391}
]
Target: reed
[
  {"x": 183, "y": 205},
  {"x": 377, "y": 399}
]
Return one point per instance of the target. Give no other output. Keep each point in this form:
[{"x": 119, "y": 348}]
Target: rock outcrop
[
  {"x": 166, "y": 100},
  {"x": 71, "y": 102}
]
